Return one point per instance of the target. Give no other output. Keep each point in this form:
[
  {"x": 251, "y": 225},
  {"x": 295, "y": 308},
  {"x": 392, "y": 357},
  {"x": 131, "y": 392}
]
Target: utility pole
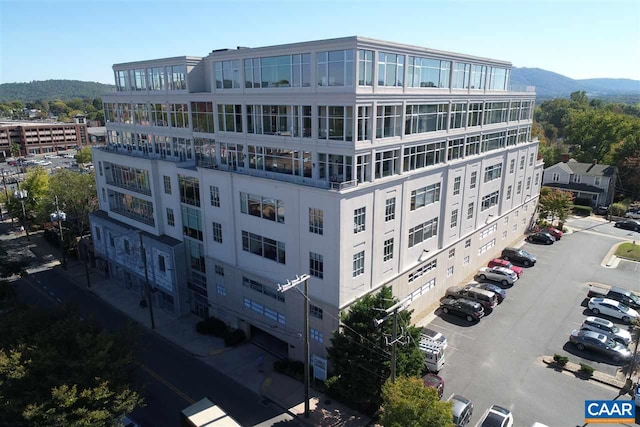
[
  {"x": 60, "y": 217},
  {"x": 393, "y": 311},
  {"x": 143, "y": 254},
  {"x": 22, "y": 195},
  {"x": 283, "y": 288}
]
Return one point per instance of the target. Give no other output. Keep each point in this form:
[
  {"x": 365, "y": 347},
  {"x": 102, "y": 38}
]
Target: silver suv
[
  {"x": 604, "y": 326},
  {"x": 462, "y": 410}
]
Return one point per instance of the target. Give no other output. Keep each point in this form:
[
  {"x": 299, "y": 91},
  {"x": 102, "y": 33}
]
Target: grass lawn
[{"x": 629, "y": 250}]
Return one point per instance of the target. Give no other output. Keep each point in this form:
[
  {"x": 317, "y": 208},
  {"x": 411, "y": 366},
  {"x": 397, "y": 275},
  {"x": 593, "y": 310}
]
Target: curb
[{"x": 574, "y": 368}]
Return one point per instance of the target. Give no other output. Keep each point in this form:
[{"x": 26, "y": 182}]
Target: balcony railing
[{"x": 522, "y": 88}]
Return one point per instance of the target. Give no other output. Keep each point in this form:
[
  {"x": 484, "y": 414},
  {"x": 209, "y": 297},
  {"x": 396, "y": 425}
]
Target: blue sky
[{"x": 81, "y": 40}]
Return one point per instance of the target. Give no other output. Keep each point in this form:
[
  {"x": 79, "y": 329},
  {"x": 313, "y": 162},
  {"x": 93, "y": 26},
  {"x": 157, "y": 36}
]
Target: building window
[
  {"x": 335, "y": 68},
  {"x": 316, "y": 335},
  {"x": 214, "y": 194},
  {"x": 492, "y": 172},
  {"x": 359, "y": 217},
  {"x": 264, "y": 247},
  {"x": 522, "y": 163},
  {"x": 422, "y": 270},
  {"x": 452, "y": 252},
  {"x": 390, "y": 69},
  {"x": 528, "y": 186},
  {"x": 489, "y": 201},
  {"x": 316, "y": 311},
  {"x": 491, "y": 243},
  {"x": 189, "y": 190},
  {"x": 390, "y": 210},
  {"x": 265, "y": 311},
  {"x": 171, "y": 219},
  {"x": 161, "y": 264},
  {"x": 466, "y": 260},
  {"x": 335, "y": 123},
  {"x": 423, "y": 118},
  {"x": 509, "y": 188},
  {"x": 535, "y": 182},
  {"x": 425, "y": 196},
  {"x": 316, "y": 265},
  {"x": 504, "y": 234},
  {"x": 316, "y": 221},
  {"x": 455, "y": 149},
  {"x": 388, "y": 121},
  {"x": 456, "y": 185},
  {"x": 365, "y": 68},
  {"x": 454, "y": 218},
  {"x": 229, "y": 118},
  {"x": 474, "y": 180},
  {"x": 217, "y": 232},
  {"x": 470, "y": 211},
  {"x": 364, "y": 123},
  {"x": 167, "y": 184},
  {"x": 358, "y": 264},
  {"x": 467, "y": 243},
  {"x": 531, "y": 159},
  {"x": 512, "y": 165},
  {"x": 421, "y": 156},
  {"x": 450, "y": 271},
  {"x": 388, "y": 250},
  {"x": 262, "y": 207},
  {"x": 423, "y": 232},
  {"x": 519, "y": 188},
  {"x": 261, "y": 288},
  {"x": 424, "y": 72},
  {"x": 228, "y": 74},
  {"x": 219, "y": 270}
]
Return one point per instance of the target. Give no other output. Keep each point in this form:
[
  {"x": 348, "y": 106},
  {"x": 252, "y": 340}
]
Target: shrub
[
  {"x": 582, "y": 210},
  {"x": 617, "y": 209},
  {"x": 586, "y": 369},
  {"x": 234, "y": 338},
  {"x": 212, "y": 326},
  {"x": 292, "y": 368},
  {"x": 581, "y": 201},
  {"x": 560, "y": 360}
]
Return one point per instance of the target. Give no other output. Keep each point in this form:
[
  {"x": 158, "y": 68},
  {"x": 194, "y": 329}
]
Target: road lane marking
[
  {"x": 170, "y": 386},
  {"x": 59, "y": 300},
  {"x": 29, "y": 282},
  {"x": 454, "y": 332}
]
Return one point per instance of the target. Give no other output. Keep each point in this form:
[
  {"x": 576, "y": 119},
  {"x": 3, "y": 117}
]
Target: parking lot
[
  {"x": 497, "y": 360},
  {"x": 50, "y": 162}
]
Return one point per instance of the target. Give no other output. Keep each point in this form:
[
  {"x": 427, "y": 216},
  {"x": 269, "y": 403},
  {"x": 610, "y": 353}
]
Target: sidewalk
[{"x": 239, "y": 363}]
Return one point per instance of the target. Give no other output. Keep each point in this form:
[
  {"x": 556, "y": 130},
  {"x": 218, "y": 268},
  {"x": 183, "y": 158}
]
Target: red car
[
  {"x": 553, "y": 231},
  {"x": 434, "y": 381},
  {"x": 506, "y": 264}
]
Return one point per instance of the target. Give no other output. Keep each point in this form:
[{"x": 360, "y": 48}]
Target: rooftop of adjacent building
[
  {"x": 14, "y": 123},
  {"x": 572, "y": 166}
]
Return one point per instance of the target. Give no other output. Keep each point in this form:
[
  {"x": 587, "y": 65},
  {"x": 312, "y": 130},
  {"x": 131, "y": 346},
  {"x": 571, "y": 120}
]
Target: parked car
[
  {"x": 486, "y": 298},
  {"x": 501, "y": 294},
  {"x": 462, "y": 307},
  {"x": 628, "y": 224},
  {"x": 612, "y": 308},
  {"x": 625, "y": 296},
  {"x": 633, "y": 213},
  {"x": 434, "y": 381},
  {"x": 436, "y": 336},
  {"x": 518, "y": 256},
  {"x": 497, "y": 262},
  {"x": 541, "y": 237},
  {"x": 498, "y": 274},
  {"x": 557, "y": 234},
  {"x": 496, "y": 416},
  {"x": 462, "y": 410},
  {"x": 600, "y": 343},
  {"x": 604, "y": 326}
]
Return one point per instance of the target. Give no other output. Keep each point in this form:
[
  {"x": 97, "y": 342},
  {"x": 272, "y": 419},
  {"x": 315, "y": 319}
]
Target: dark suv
[
  {"x": 518, "y": 256},
  {"x": 462, "y": 307}
]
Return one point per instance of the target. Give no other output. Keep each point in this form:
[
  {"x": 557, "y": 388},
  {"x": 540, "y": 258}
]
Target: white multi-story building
[{"x": 360, "y": 162}]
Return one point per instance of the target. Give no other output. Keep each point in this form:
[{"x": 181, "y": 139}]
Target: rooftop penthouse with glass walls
[{"x": 416, "y": 107}]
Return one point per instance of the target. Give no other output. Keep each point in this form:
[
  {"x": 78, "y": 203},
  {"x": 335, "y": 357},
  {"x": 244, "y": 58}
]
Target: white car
[
  {"x": 604, "y": 326},
  {"x": 612, "y": 308},
  {"x": 496, "y": 416},
  {"x": 498, "y": 274}
]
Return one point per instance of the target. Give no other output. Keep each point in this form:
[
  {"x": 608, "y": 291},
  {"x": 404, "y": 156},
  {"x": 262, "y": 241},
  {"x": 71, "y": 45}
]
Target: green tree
[
  {"x": 77, "y": 197},
  {"x": 556, "y": 203},
  {"x": 408, "y": 403},
  {"x": 97, "y": 103},
  {"x": 15, "y": 149},
  {"x": 359, "y": 354},
  {"x": 56, "y": 369},
  {"x": 84, "y": 155}
]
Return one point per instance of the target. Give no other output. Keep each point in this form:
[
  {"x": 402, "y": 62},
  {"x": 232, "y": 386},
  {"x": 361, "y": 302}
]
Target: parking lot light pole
[
  {"x": 22, "y": 195},
  {"x": 283, "y": 288},
  {"x": 59, "y": 217}
]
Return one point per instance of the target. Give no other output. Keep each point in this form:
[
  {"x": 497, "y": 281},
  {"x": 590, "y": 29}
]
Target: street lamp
[
  {"x": 283, "y": 288},
  {"x": 60, "y": 216},
  {"x": 22, "y": 196}
]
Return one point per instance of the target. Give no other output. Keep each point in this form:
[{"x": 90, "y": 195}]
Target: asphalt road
[
  {"x": 171, "y": 378},
  {"x": 496, "y": 360}
]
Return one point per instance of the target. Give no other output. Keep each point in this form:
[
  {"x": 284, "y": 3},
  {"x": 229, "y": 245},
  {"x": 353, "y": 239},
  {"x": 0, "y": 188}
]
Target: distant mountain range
[
  {"x": 553, "y": 85},
  {"x": 548, "y": 85}
]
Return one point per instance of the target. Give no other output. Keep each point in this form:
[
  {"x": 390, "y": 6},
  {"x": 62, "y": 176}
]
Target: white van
[{"x": 433, "y": 353}]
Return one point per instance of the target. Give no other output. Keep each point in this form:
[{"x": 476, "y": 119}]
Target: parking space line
[
  {"x": 59, "y": 300},
  {"x": 454, "y": 332}
]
